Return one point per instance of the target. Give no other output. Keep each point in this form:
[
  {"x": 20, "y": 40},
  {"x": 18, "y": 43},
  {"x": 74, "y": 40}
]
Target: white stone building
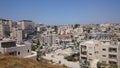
[
  {"x": 10, "y": 47},
  {"x": 4, "y": 28},
  {"x": 104, "y": 51},
  {"x": 17, "y": 34},
  {"x": 27, "y": 26}
]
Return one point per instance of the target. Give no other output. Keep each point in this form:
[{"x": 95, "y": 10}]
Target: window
[
  {"x": 104, "y": 49},
  {"x": 112, "y": 56},
  {"x": 84, "y": 47},
  {"x": 112, "y": 62},
  {"x": 96, "y": 52},
  {"x": 11, "y": 53},
  {"x": 113, "y": 50},
  {"x": 8, "y": 44},
  {"x": 104, "y": 42},
  {"x": 28, "y": 50},
  {"x": 18, "y": 53},
  {"x": 84, "y": 53},
  {"x": 90, "y": 53},
  {"x": 104, "y": 55}
]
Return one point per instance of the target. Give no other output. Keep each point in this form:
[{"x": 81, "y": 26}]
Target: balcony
[
  {"x": 112, "y": 57},
  {"x": 112, "y": 62},
  {"x": 83, "y": 58},
  {"x": 83, "y": 48},
  {"x": 84, "y": 53},
  {"x": 113, "y": 50}
]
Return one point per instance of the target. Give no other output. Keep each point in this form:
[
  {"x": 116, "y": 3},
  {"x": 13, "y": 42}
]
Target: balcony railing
[
  {"x": 84, "y": 53},
  {"x": 113, "y": 51}
]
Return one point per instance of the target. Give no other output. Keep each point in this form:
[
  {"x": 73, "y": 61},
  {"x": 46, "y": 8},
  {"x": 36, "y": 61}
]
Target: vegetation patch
[{"x": 74, "y": 57}]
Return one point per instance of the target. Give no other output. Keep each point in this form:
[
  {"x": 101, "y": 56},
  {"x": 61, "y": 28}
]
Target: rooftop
[
  {"x": 7, "y": 40},
  {"x": 89, "y": 42},
  {"x": 26, "y": 21}
]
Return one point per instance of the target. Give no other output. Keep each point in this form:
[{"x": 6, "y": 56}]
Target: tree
[
  {"x": 55, "y": 28},
  {"x": 86, "y": 36},
  {"x": 76, "y": 25},
  {"x": 86, "y": 64},
  {"x": 33, "y": 47},
  {"x": 84, "y": 67},
  {"x": 88, "y": 30},
  {"x": 118, "y": 39},
  {"x": 113, "y": 66},
  {"x": 99, "y": 65},
  {"x": 90, "y": 37},
  {"x": 38, "y": 42},
  {"x": 73, "y": 40},
  {"x": 48, "y": 26}
]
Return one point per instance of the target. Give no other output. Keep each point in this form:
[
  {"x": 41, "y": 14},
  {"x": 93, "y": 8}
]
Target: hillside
[{"x": 7, "y": 61}]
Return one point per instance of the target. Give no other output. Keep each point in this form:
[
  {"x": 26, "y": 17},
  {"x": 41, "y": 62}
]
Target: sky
[{"x": 59, "y": 12}]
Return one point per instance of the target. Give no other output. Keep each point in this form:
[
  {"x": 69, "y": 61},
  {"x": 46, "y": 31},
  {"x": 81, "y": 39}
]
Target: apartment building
[
  {"x": 40, "y": 27},
  {"x": 17, "y": 34},
  {"x": 49, "y": 38},
  {"x": 103, "y": 36},
  {"x": 4, "y": 28},
  {"x": 27, "y": 26},
  {"x": 104, "y": 51}
]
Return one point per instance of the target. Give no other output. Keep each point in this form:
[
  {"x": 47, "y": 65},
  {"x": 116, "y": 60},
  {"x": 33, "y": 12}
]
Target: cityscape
[{"x": 25, "y": 43}]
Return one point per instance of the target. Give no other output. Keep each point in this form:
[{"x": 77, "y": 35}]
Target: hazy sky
[{"x": 61, "y": 11}]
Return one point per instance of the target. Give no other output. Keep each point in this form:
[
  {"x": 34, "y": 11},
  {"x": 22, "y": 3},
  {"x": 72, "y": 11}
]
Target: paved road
[{"x": 63, "y": 61}]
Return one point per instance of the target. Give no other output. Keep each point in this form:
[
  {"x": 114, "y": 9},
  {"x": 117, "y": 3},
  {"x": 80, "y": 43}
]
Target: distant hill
[{"x": 7, "y": 61}]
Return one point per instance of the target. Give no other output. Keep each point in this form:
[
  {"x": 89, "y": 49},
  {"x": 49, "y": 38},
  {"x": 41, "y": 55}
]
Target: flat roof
[
  {"x": 20, "y": 45},
  {"x": 26, "y": 21},
  {"x": 7, "y": 41}
]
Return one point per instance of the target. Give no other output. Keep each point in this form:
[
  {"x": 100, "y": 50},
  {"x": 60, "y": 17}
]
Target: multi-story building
[
  {"x": 39, "y": 27},
  {"x": 4, "y": 28},
  {"x": 49, "y": 38},
  {"x": 27, "y": 26},
  {"x": 79, "y": 30},
  {"x": 17, "y": 34},
  {"x": 103, "y": 36},
  {"x": 104, "y": 51}
]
